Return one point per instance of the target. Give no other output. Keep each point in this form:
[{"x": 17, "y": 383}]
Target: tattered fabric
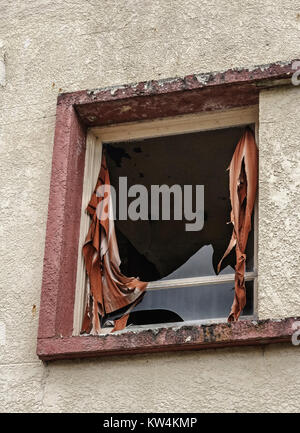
[
  {"x": 243, "y": 170},
  {"x": 109, "y": 290}
]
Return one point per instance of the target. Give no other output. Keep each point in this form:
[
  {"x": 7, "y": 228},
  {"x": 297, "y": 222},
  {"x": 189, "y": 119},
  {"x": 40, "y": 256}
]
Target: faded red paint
[
  {"x": 169, "y": 339},
  {"x": 76, "y": 111},
  {"x": 64, "y": 210},
  {"x": 166, "y": 105},
  {"x": 193, "y": 93}
]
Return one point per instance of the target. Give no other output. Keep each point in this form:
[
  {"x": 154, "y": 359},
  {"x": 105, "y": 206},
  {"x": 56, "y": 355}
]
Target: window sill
[{"x": 181, "y": 337}]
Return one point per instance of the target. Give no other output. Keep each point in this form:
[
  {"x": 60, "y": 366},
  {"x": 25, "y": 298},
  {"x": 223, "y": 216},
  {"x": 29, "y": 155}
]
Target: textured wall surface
[
  {"x": 279, "y": 204},
  {"x": 47, "y": 46}
]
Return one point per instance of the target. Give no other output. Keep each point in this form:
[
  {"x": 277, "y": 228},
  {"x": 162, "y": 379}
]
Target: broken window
[
  {"x": 181, "y": 265},
  {"x": 175, "y": 258}
]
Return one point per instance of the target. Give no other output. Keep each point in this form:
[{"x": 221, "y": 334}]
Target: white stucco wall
[
  {"x": 279, "y": 205},
  {"x": 47, "y": 46}
]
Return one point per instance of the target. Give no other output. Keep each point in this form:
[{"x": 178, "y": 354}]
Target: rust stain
[{"x": 125, "y": 108}]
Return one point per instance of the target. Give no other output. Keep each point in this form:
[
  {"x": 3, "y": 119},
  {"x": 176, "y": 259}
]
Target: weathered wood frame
[{"x": 78, "y": 111}]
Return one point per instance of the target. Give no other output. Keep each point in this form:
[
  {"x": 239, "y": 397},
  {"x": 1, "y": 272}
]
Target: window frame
[
  {"x": 76, "y": 113},
  {"x": 183, "y": 124}
]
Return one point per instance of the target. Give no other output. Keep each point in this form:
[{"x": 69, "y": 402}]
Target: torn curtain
[
  {"x": 109, "y": 290},
  {"x": 243, "y": 171}
]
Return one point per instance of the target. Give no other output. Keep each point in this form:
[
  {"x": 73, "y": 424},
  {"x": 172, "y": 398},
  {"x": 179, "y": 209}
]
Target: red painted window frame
[{"x": 78, "y": 111}]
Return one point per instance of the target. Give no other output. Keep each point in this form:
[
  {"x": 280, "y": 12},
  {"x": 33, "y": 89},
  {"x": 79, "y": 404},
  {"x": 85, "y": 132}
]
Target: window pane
[
  {"x": 190, "y": 303},
  {"x": 200, "y": 264}
]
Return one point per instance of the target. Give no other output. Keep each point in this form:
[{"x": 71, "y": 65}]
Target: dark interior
[{"x": 151, "y": 249}]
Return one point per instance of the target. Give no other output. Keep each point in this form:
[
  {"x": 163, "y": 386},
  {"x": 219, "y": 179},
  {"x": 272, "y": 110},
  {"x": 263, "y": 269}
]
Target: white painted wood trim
[
  {"x": 177, "y": 125},
  {"x": 91, "y": 171},
  {"x": 197, "y": 281},
  {"x": 255, "y": 228}
]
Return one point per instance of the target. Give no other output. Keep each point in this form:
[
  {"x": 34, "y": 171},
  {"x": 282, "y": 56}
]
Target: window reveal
[{"x": 163, "y": 250}]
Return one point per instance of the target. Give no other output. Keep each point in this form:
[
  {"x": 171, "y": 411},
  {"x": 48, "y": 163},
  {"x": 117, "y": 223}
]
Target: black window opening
[{"x": 158, "y": 251}]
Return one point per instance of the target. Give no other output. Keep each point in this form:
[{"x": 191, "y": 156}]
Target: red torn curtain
[
  {"x": 243, "y": 171},
  {"x": 109, "y": 290}
]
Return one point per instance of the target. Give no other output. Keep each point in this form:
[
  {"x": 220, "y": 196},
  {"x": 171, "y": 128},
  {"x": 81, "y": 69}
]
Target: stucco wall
[
  {"x": 279, "y": 207},
  {"x": 51, "y": 46}
]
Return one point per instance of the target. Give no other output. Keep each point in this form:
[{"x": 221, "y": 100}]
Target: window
[
  {"x": 88, "y": 119},
  {"x": 180, "y": 264}
]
